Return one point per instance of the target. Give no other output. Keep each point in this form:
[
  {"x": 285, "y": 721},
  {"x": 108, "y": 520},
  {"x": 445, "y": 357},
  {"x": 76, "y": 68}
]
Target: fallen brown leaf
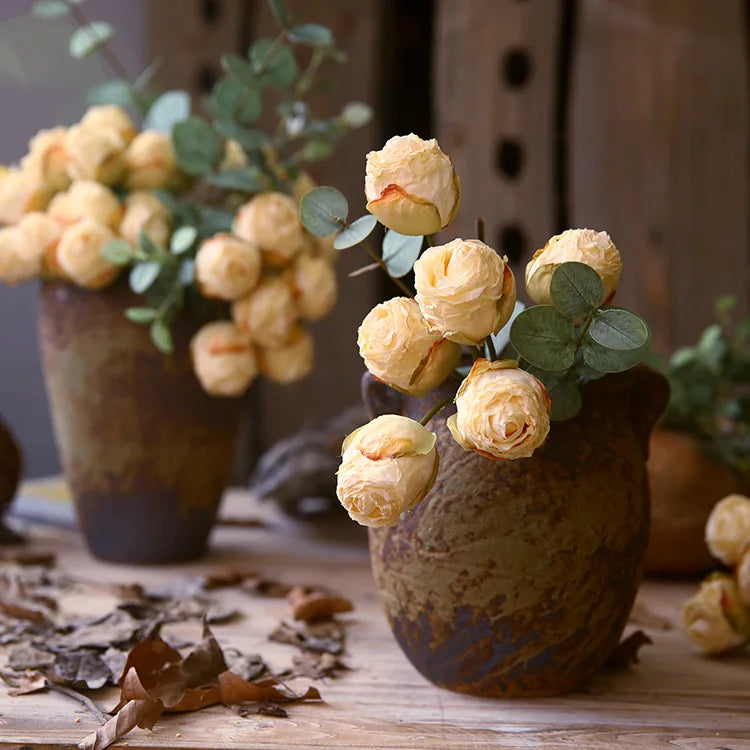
[
  {"x": 311, "y": 603},
  {"x": 266, "y": 587},
  {"x": 20, "y": 556},
  {"x": 24, "y": 682},
  {"x": 21, "y": 612},
  {"x": 141, "y": 713},
  {"x": 26, "y": 656},
  {"x": 223, "y": 577},
  {"x": 262, "y": 709},
  {"x": 204, "y": 662},
  {"x": 319, "y": 637},
  {"x": 317, "y": 666},
  {"x": 626, "y": 653}
]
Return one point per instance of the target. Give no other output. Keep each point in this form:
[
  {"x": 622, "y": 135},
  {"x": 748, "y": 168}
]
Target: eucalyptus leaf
[
  {"x": 88, "y": 39},
  {"x": 315, "y": 150},
  {"x": 355, "y": 232},
  {"x": 576, "y": 289},
  {"x": 118, "y": 251},
  {"x": 248, "y": 108},
  {"x": 312, "y": 33},
  {"x": 214, "y": 220},
  {"x": 601, "y": 358},
  {"x": 275, "y": 63},
  {"x": 161, "y": 336},
  {"x": 186, "y": 274},
  {"x": 501, "y": 339},
  {"x": 197, "y": 145},
  {"x": 566, "y": 400},
  {"x": 712, "y": 346},
  {"x": 246, "y": 180},
  {"x": 247, "y": 138},
  {"x": 280, "y": 13},
  {"x": 50, "y": 8},
  {"x": 617, "y": 328},
  {"x": 141, "y": 314},
  {"x": 225, "y": 97},
  {"x": 183, "y": 239},
  {"x": 149, "y": 247},
  {"x": 323, "y": 211},
  {"x": 143, "y": 275},
  {"x": 116, "y": 92},
  {"x": 400, "y": 252},
  {"x": 544, "y": 337},
  {"x": 169, "y": 109},
  {"x": 356, "y": 114},
  {"x": 239, "y": 68}
]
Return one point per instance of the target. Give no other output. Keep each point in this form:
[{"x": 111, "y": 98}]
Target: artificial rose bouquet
[{"x": 517, "y": 368}]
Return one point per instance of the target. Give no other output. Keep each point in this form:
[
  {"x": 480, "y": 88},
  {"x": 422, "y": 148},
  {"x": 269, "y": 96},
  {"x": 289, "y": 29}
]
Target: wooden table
[{"x": 674, "y": 698}]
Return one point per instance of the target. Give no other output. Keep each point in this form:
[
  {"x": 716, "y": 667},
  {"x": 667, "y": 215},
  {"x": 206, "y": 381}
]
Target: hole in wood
[
  {"x": 512, "y": 241},
  {"x": 207, "y": 77},
  {"x": 509, "y": 157},
  {"x": 211, "y": 11},
  {"x": 516, "y": 68}
]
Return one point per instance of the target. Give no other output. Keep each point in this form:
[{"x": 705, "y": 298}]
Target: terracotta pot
[
  {"x": 516, "y": 578},
  {"x": 685, "y": 485},
  {"x": 146, "y": 451}
]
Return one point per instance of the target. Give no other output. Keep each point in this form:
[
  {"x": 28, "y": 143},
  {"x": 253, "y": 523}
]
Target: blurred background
[{"x": 624, "y": 115}]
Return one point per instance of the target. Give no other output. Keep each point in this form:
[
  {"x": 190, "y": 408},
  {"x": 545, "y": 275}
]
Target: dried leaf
[
  {"x": 626, "y": 653},
  {"x": 204, "y": 663},
  {"x": 311, "y": 603},
  {"x": 24, "y": 683},
  {"x": 21, "y": 612},
  {"x": 116, "y": 628},
  {"x": 317, "y": 666},
  {"x": 263, "y": 709},
  {"x": 136, "y": 713},
  {"x": 21, "y": 556},
  {"x": 223, "y": 577},
  {"x": 248, "y": 666},
  {"x": 236, "y": 690},
  {"x": 115, "y": 659},
  {"x": 320, "y": 637},
  {"x": 266, "y": 587},
  {"x": 157, "y": 668},
  {"x": 26, "y": 656},
  {"x": 80, "y": 669}
]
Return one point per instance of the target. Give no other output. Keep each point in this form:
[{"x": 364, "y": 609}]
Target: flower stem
[
  {"x": 491, "y": 348},
  {"x": 579, "y": 341},
  {"x": 373, "y": 254},
  {"x": 430, "y": 240},
  {"x": 439, "y": 406},
  {"x": 480, "y": 228}
]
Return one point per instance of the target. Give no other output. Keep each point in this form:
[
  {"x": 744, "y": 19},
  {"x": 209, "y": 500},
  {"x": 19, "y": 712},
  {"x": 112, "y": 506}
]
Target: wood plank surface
[{"x": 673, "y": 698}]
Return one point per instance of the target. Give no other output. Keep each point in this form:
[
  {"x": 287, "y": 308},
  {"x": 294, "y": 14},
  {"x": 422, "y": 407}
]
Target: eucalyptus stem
[
  {"x": 430, "y": 240},
  {"x": 306, "y": 79},
  {"x": 272, "y": 50},
  {"x": 491, "y": 348},
  {"x": 373, "y": 254},
  {"x": 480, "y": 228},
  {"x": 579, "y": 341},
  {"x": 439, "y": 406}
]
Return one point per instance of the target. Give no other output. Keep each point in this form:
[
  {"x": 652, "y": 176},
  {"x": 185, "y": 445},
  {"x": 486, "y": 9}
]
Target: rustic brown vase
[
  {"x": 685, "y": 485},
  {"x": 146, "y": 451},
  {"x": 515, "y": 578}
]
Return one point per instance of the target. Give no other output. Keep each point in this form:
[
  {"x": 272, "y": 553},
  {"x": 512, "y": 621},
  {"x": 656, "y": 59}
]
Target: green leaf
[
  {"x": 601, "y": 358},
  {"x": 143, "y": 275},
  {"x": 248, "y": 139},
  {"x": 149, "y": 247},
  {"x": 183, "y": 239},
  {"x": 683, "y": 357},
  {"x": 280, "y": 13},
  {"x": 400, "y": 252},
  {"x": 186, "y": 274},
  {"x": 50, "y": 8},
  {"x": 197, "y": 145},
  {"x": 724, "y": 306},
  {"x": 118, "y": 251},
  {"x": 576, "y": 289},
  {"x": 356, "y": 114},
  {"x": 323, "y": 210},
  {"x": 617, "y": 328},
  {"x": 312, "y": 33},
  {"x": 315, "y": 150},
  {"x": 355, "y": 232},
  {"x": 566, "y": 400},
  {"x": 141, "y": 314},
  {"x": 280, "y": 69},
  {"x": 247, "y": 180},
  {"x": 214, "y": 220},
  {"x": 225, "y": 97},
  {"x": 161, "y": 336},
  {"x": 249, "y": 108},
  {"x": 544, "y": 337},
  {"x": 90, "y": 38},
  {"x": 712, "y": 346},
  {"x": 240, "y": 69},
  {"x": 169, "y": 109},
  {"x": 113, "y": 92}
]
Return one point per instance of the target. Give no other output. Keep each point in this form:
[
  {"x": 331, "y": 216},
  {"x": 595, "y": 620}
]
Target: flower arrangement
[
  {"x": 517, "y": 368},
  {"x": 200, "y": 211}
]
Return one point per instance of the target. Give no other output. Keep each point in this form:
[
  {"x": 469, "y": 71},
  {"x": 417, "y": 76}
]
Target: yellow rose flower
[
  {"x": 387, "y": 467},
  {"x": 227, "y": 267},
  {"x": 715, "y": 619},
  {"x": 288, "y": 363},
  {"x": 150, "y": 161},
  {"x": 465, "y": 290},
  {"x": 271, "y": 221},
  {"x": 502, "y": 412},
  {"x": 742, "y": 574},
  {"x": 595, "y": 249},
  {"x": 110, "y": 117},
  {"x": 728, "y": 529},
  {"x": 46, "y": 159},
  {"x": 223, "y": 360},
  {"x": 97, "y": 155},
  {"x": 314, "y": 286},
  {"x": 234, "y": 156},
  {"x": 86, "y": 200},
  {"x": 20, "y": 193},
  {"x": 143, "y": 210},
  {"x": 79, "y": 254},
  {"x": 399, "y": 349},
  {"x": 411, "y": 186},
  {"x": 267, "y": 314},
  {"x": 39, "y": 235}
]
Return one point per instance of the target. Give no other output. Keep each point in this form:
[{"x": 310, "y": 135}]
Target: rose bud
[
  {"x": 411, "y": 186},
  {"x": 742, "y": 574},
  {"x": 595, "y": 249},
  {"x": 399, "y": 349},
  {"x": 79, "y": 254},
  {"x": 20, "y": 193},
  {"x": 728, "y": 529},
  {"x": 110, "y": 117},
  {"x": 223, "y": 361},
  {"x": 502, "y": 412},
  {"x": 715, "y": 619},
  {"x": 271, "y": 221},
  {"x": 387, "y": 467},
  {"x": 39, "y": 235},
  {"x": 234, "y": 156},
  {"x": 267, "y": 314},
  {"x": 86, "y": 200},
  {"x": 46, "y": 159},
  {"x": 314, "y": 286},
  {"x": 97, "y": 155},
  {"x": 288, "y": 363},
  {"x": 149, "y": 161},
  {"x": 143, "y": 210},
  {"x": 227, "y": 267},
  {"x": 465, "y": 290}
]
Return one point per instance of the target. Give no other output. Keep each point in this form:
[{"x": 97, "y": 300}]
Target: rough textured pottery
[
  {"x": 516, "y": 578},
  {"x": 11, "y": 464},
  {"x": 146, "y": 451},
  {"x": 685, "y": 485}
]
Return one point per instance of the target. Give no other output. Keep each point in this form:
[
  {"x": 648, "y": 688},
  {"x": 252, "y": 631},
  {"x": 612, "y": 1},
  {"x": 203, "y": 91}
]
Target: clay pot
[
  {"x": 516, "y": 578},
  {"x": 11, "y": 464},
  {"x": 685, "y": 485},
  {"x": 146, "y": 452}
]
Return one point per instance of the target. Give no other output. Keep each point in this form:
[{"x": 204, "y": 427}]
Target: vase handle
[
  {"x": 380, "y": 398},
  {"x": 649, "y": 398}
]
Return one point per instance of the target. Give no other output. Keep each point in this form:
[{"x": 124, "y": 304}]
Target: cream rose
[
  {"x": 411, "y": 186},
  {"x": 742, "y": 574},
  {"x": 387, "y": 467},
  {"x": 39, "y": 235},
  {"x": 149, "y": 161},
  {"x": 46, "y": 159},
  {"x": 715, "y": 619},
  {"x": 595, "y": 249},
  {"x": 399, "y": 349},
  {"x": 271, "y": 221},
  {"x": 110, "y": 117},
  {"x": 502, "y": 412},
  {"x": 314, "y": 285},
  {"x": 234, "y": 156},
  {"x": 268, "y": 314},
  {"x": 728, "y": 529},
  {"x": 20, "y": 193},
  {"x": 144, "y": 211},
  {"x": 288, "y": 363},
  {"x": 465, "y": 290},
  {"x": 97, "y": 155},
  {"x": 227, "y": 267},
  {"x": 223, "y": 361},
  {"x": 79, "y": 254},
  {"x": 86, "y": 200}
]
